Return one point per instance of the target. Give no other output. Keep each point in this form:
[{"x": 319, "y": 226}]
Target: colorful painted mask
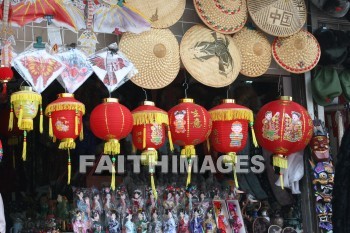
[{"x": 320, "y": 148}]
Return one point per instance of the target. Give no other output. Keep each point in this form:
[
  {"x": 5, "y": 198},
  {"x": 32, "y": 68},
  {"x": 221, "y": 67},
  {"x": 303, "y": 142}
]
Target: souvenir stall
[{"x": 171, "y": 116}]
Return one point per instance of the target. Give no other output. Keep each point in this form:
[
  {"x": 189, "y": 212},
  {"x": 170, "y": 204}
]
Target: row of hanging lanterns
[{"x": 282, "y": 127}]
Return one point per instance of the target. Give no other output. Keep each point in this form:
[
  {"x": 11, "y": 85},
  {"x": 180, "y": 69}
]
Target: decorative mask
[{"x": 320, "y": 148}]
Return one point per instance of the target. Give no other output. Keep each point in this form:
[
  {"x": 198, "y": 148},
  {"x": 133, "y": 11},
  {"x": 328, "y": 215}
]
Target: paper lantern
[
  {"x": 111, "y": 121},
  {"x": 148, "y": 134},
  {"x": 190, "y": 125},
  {"x": 65, "y": 122},
  {"x": 6, "y": 74},
  {"x": 283, "y": 127},
  {"x": 25, "y": 103},
  {"x": 230, "y": 130}
]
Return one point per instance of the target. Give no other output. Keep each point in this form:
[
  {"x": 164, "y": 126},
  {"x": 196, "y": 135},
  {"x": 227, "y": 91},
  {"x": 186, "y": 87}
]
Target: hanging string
[
  {"x": 185, "y": 84},
  {"x": 279, "y": 87},
  {"x": 146, "y": 97},
  {"x": 228, "y": 90}
]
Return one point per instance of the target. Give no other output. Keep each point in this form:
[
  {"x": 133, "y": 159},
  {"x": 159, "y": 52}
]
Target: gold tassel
[
  {"x": 149, "y": 157},
  {"x": 280, "y": 161},
  {"x": 69, "y": 168},
  {"x": 208, "y": 145},
  {"x": 76, "y": 122},
  {"x": 255, "y": 142},
  {"x": 50, "y": 126},
  {"x": 171, "y": 145},
  {"x": 188, "y": 150},
  {"x": 235, "y": 175},
  {"x": 41, "y": 120},
  {"x": 20, "y": 116},
  {"x": 144, "y": 137},
  {"x": 24, "y": 151},
  {"x": 113, "y": 174},
  {"x": 232, "y": 158},
  {"x": 281, "y": 180},
  {"x": 153, "y": 185},
  {"x": 11, "y": 119},
  {"x": 189, "y": 172},
  {"x": 112, "y": 147},
  {"x": 67, "y": 143},
  {"x": 81, "y": 135}
]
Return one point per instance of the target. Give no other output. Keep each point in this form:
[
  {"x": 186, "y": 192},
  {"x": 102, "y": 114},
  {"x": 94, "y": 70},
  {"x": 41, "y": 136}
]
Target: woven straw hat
[
  {"x": 210, "y": 57},
  {"x": 298, "y": 53},
  {"x": 155, "y": 54},
  {"x": 160, "y": 13},
  {"x": 224, "y": 16},
  {"x": 278, "y": 17},
  {"x": 255, "y": 51}
]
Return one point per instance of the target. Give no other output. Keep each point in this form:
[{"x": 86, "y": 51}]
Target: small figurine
[
  {"x": 113, "y": 223},
  {"x": 183, "y": 223},
  {"x": 96, "y": 204},
  {"x": 234, "y": 220},
  {"x": 209, "y": 223},
  {"x": 156, "y": 225},
  {"x": 96, "y": 222},
  {"x": 142, "y": 223},
  {"x": 137, "y": 200},
  {"x": 129, "y": 226},
  {"x": 108, "y": 204},
  {"x": 169, "y": 202},
  {"x": 221, "y": 219},
  {"x": 79, "y": 225},
  {"x": 151, "y": 202},
  {"x": 189, "y": 194},
  {"x": 122, "y": 204},
  {"x": 169, "y": 225},
  {"x": 203, "y": 203},
  {"x": 196, "y": 222}
]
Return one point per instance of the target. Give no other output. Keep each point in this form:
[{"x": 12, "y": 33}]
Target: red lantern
[
  {"x": 6, "y": 74},
  {"x": 190, "y": 125},
  {"x": 283, "y": 127},
  {"x": 111, "y": 121},
  {"x": 230, "y": 130},
  {"x": 148, "y": 134},
  {"x": 65, "y": 122}
]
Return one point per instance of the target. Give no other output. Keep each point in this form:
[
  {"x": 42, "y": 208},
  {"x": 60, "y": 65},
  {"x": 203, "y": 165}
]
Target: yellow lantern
[{"x": 25, "y": 103}]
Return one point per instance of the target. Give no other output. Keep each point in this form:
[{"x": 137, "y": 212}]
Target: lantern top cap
[
  {"x": 287, "y": 98},
  {"x": 110, "y": 100},
  {"x": 228, "y": 101},
  {"x": 26, "y": 88},
  {"x": 148, "y": 103},
  {"x": 186, "y": 100},
  {"x": 65, "y": 95}
]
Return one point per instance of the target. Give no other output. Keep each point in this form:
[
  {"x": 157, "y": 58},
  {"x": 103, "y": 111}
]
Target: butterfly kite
[{"x": 39, "y": 68}]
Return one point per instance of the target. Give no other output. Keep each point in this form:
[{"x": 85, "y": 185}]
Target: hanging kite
[
  {"x": 77, "y": 70},
  {"x": 88, "y": 39},
  {"x": 39, "y": 68},
  {"x": 62, "y": 13},
  {"x": 115, "y": 15},
  {"x": 112, "y": 67}
]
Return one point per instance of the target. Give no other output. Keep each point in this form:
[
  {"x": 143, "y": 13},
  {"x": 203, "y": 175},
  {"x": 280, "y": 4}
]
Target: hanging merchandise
[
  {"x": 190, "y": 125},
  {"x": 112, "y": 67},
  {"x": 226, "y": 17},
  {"x": 278, "y": 17},
  {"x": 255, "y": 51},
  {"x": 283, "y": 127},
  {"x": 39, "y": 68},
  {"x": 1, "y": 151},
  {"x": 230, "y": 130},
  {"x": 25, "y": 103},
  {"x": 114, "y": 15},
  {"x": 7, "y": 55},
  {"x": 111, "y": 121},
  {"x": 160, "y": 13},
  {"x": 65, "y": 122},
  {"x": 148, "y": 134},
  {"x": 88, "y": 39},
  {"x": 6, "y": 74},
  {"x": 211, "y": 58},
  {"x": 298, "y": 53},
  {"x": 155, "y": 54},
  {"x": 77, "y": 69}
]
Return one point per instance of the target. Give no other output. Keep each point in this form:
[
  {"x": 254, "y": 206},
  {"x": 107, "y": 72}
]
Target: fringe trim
[
  {"x": 112, "y": 147},
  {"x": 141, "y": 118},
  {"x": 26, "y": 124},
  {"x": 231, "y": 114},
  {"x": 280, "y": 161},
  {"x": 65, "y": 106},
  {"x": 67, "y": 144},
  {"x": 31, "y": 96},
  {"x": 20, "y": 117}
]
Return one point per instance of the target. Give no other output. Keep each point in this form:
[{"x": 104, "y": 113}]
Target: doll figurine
[
  {"x": 96, "y": 222},
  {"x": 113, "y": 223},
  {"x": 156, "y": 225},
  {"x": 183, "y": 222},
  {"x": 196, "y": 222},
  {"x": 142, "y": 224},
  {"x": 151, "y": 202},
  {"x": 137, "y": 201},
  {"x": 203, "y": 203},
  {"x": 209, "y": 223},
  {"x": 79, "y": 226},
  {"x": 235, "y": 221},
  {"x": 129, "y": 226},
  {"x": 169, "y": 202},
  {"x": 221, "y": 219},
  {"x": 96, "y": 204},
  {"x": 169, "y": 225}
]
